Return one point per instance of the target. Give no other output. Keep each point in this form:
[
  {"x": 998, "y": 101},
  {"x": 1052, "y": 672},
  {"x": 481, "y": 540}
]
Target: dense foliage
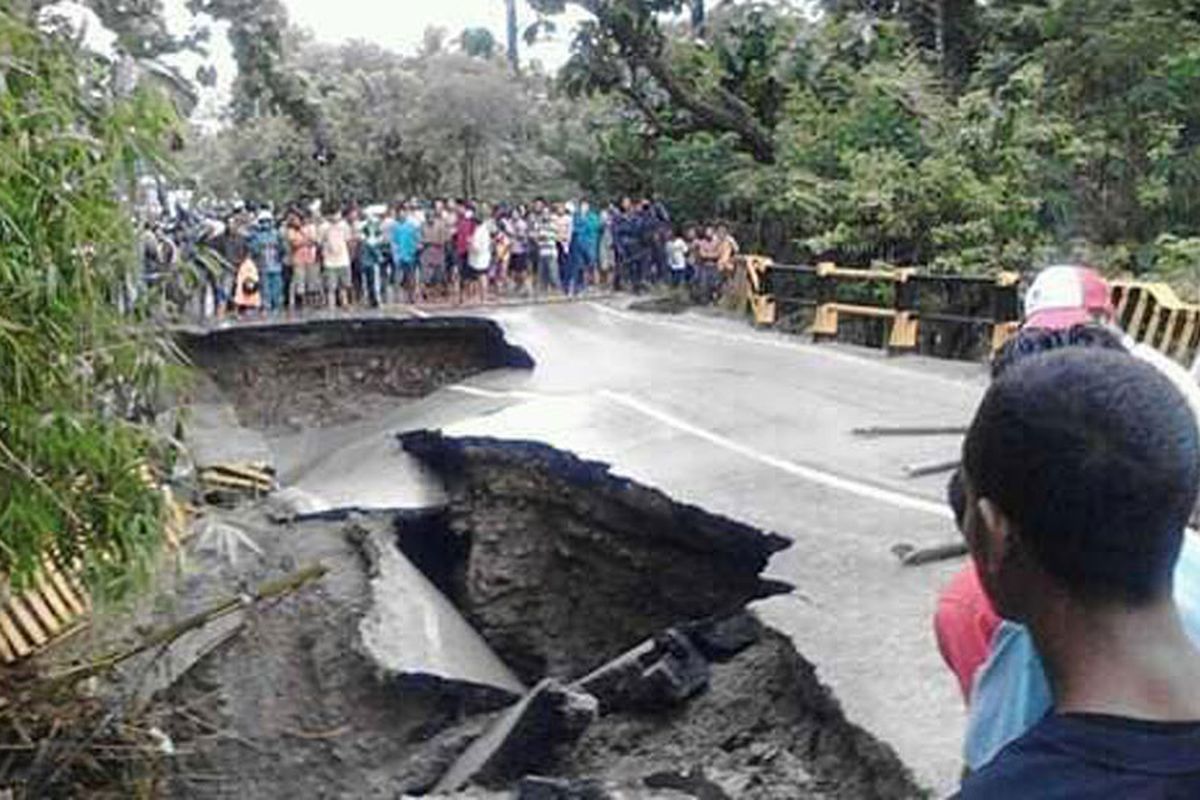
[
  {"x": 965, "y": 135},
  {"x": 76, "y": 374},
  {"x": 385, "y": 126}
]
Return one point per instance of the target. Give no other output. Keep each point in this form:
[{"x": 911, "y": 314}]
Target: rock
[
  {"x": 722, "y": 639},
  {"x": 694, "y": 783},
  {"x": 286, "y": 505},
  {"x": 529, "y": 737},
  {"x": 533, "y": 787},
  {"x": 656, "y": 674}
]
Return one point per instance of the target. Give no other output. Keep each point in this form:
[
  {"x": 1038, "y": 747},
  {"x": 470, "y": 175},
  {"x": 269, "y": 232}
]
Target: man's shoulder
[{"x": 1089, "y": 756}]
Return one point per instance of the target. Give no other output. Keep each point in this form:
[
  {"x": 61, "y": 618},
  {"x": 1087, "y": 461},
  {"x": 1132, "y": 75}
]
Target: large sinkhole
[
  {"x": 328, "y": 372},
  {"x": 549, "y": 629}
]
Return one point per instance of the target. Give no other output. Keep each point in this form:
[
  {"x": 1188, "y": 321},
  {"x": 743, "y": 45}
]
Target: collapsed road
[{"x": 750, "y": 426}]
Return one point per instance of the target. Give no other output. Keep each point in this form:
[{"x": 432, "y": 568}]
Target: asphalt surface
[{"x": 753, "y": 425}]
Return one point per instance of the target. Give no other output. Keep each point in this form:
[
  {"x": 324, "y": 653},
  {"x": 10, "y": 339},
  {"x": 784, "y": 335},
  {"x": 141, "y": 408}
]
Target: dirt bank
[
  {"x": 562, "y": 566},
  {"x": 329, "y": 372}
]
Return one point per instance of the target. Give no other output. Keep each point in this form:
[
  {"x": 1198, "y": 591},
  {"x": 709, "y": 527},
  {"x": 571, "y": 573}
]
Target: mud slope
[{"x": 328, "y": 372}]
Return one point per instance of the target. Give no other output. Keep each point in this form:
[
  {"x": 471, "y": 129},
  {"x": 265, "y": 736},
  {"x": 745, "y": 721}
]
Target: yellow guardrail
[
  {"x": 1154, "y": 315},
  {"x": 56, "y": 603}
]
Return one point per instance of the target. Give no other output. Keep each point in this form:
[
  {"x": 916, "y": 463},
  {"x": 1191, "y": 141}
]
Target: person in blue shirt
[
  {"x": 406, "y": 248},
  {"x": 585, "y": 246},
  {"x": 267, "y": 247},
  {"x": 1080, "y": 472}
]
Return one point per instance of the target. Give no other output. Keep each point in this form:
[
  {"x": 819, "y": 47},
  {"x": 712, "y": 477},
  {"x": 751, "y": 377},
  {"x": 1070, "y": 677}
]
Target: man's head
[
  {"x": 1080, "y": 471},
  {"x": 1061, "y": 297},
  {"x": 1029, "y": 342}
]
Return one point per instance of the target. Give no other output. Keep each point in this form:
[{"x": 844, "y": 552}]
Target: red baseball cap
[{"x": 1062, "y": 297}]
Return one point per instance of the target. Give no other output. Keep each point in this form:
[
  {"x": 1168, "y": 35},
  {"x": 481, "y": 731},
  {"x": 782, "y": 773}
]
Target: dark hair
[
  {"x": 1093, "y": 456},
  {"x": 1031, "y": 341}
]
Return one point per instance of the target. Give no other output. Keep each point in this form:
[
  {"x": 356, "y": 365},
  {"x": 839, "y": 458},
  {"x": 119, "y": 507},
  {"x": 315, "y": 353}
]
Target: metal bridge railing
[
  {"x": 947, "y": 314},
  {"x": 918, "y": 311},
  {"x": 1151, "y": 313}
]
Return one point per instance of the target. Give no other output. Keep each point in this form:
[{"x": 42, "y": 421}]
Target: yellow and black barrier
[
  {"x": 56, "y": 602},
  {"x": 1153, "y": 314},
  {"x": 915, "y": 308}
]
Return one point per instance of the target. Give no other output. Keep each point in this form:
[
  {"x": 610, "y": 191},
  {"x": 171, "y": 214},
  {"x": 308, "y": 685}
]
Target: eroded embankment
[
  {"x": 327, "y": 372},
  {"x": 565, "y": 568}
]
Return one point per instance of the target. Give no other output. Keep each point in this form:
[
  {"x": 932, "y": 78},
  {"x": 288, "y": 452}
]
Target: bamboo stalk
[{"x": 270, "y": 590}]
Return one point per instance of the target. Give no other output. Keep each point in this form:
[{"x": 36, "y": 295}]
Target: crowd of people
[{"x": 446, "y": 250}]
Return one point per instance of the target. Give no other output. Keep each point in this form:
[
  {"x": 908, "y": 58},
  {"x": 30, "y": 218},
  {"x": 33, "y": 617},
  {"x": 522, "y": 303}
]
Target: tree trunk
[
  {"x": 514, "y": 55},
  {"x": 698, "y": 17}
]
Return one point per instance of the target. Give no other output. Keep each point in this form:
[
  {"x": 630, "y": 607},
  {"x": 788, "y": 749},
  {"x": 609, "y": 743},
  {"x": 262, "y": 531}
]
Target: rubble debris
[
  {"x": 657, "y": 674},
  {"x": 723, "y": 638},
  {"x": 534, "y": 787},
  {"x": 526, "y": 522},
  {"x": 696, "y": 783},
  {"x": 323, "y": 372},
  {"x": 417, "y": 639},
  {"x": 528, "y": 737},
  {"x": 765, "y": 717}
]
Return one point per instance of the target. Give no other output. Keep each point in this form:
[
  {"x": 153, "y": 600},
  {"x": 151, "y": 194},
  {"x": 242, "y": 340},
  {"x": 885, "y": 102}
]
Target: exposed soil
[
  {"x": 330, "y": 372},
  {"x": 563, "y": 566}
]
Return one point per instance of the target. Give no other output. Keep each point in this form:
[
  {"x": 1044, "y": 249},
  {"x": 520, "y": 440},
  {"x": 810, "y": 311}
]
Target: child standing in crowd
[
  {"x": 677, "y": 250},
  {"x": 247, "y": 295}
]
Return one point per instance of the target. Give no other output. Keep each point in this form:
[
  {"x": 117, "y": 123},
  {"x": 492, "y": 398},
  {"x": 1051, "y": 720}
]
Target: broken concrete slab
[
  {"x": 623, "y": 560},
  {"x": 529, "y": 737},
  {"x": 657, "y": 674},
  {"x": 417, "y": 638}
]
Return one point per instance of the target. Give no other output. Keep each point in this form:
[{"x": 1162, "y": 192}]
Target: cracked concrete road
[{"x": 753, "y": 425}]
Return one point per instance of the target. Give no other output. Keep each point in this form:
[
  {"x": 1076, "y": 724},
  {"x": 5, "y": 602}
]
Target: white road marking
[
  {"x": 419, "y": 313},
  {"x": 812, "y": 474}
]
